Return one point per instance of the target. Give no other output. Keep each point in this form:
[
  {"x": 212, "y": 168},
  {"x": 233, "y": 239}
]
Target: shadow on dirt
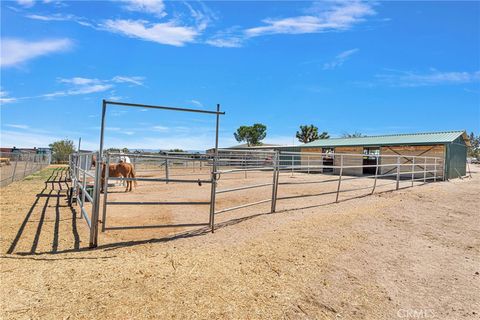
[{"x": 56, "y": 187}]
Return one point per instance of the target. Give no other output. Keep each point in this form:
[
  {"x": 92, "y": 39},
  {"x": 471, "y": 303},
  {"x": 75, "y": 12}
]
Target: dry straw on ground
[{"x": 367, "y": 258}]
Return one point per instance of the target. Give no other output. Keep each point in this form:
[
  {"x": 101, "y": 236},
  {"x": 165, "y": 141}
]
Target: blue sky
[{"x": 371, "y": 67}]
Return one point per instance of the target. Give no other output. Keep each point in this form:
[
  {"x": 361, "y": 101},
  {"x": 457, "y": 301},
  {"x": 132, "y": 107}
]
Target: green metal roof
[{"x": 394, "y": 139}]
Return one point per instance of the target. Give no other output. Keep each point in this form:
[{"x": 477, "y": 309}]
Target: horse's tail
[{"x": 132, "y": 173}]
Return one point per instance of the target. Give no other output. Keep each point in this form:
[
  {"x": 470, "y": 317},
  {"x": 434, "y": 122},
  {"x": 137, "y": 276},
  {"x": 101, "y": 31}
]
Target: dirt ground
[{"x": 412, "y": 253}]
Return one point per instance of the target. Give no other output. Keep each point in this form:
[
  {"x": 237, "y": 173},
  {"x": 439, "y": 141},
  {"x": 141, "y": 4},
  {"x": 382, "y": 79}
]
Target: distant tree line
[
  {"x": 254, "y": 134},
  {"x": 474, "y": 150}
]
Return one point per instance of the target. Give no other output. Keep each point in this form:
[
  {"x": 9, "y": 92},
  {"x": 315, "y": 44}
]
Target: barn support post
[
  {"x": 425, "y": 170},
  {"x": 413, "y": 169},
  {"x": 214, "y": 175},
  {"x": 398, "y": 173},
  {"x": 435, "y": 171},
  {"x": 308, "y": 164},
  {"x": 105, "y": 193},
  {"x": 98, "y": 173},
  {"x": 15, "y": 167},
  {"x": 340, "y": 177},
  {"x": 376, "y": 175}
]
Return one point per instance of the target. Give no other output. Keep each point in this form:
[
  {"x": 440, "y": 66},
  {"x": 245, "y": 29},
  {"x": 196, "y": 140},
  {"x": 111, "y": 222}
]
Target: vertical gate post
[
  {"x": 105, "y": 193},
  {"x": 435, "y": 171},
  {"x": 98, "y": 173},
  {"x": 398, "y": 173},
  {"x": 376, "y": 174},
  {"x": 340, "y": 177},
  {"x": 413, "y": 169},
  {"x": 275, "y": 182},
  {"x": 214, "y": 175}
]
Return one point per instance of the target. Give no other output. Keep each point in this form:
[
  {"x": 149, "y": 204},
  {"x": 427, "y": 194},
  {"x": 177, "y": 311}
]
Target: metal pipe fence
[
  {"x": 335, "y": 171},
  {"x": 83, "y": 175},
  {"x": 15, "y": 166}
]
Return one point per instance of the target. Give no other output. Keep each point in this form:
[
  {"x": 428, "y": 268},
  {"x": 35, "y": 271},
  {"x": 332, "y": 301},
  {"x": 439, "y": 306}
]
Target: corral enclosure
[
  {"x": 174, "y": 193},
  {"x": 177, "y": 191}
]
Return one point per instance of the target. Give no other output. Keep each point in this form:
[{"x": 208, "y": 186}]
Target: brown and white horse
[{"x": 117, "y": 170}]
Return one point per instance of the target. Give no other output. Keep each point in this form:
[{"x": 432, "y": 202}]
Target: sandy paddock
[
  {"x": 137, "y": 219},
  {"x": 384, "y": 256}
]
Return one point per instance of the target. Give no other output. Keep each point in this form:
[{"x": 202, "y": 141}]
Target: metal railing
[
  {"x": 348, "y": 167},
  {"x": 335, "y": 171},
  {"x": 16, "y": 166},
  {"x": 85, "y": 181}
]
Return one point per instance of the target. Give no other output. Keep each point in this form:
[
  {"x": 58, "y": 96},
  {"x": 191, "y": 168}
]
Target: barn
[{"x": 449, "y": 146}]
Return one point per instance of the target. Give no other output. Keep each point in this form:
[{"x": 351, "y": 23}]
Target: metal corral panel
[
  {"x": 421, "y": 164},
  {"x": 456, "y": 159},
  {"x": 390, "y": 140}
]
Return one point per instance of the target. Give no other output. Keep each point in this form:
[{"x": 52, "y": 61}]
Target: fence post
[
  {"x": 398, "y": 173},
  {"x": 340, "y": 177},
  {"x": 376, "y": 175},
  {"x": 308, "y": 163},
  {"x": 25, "y": 167},
  {"x": 15, "y": 168},
  {"x": 413, "y": 169},
  {"x": 105, "y": 193},
  {"x": 84, "y": 184},
  {"x": 425, "y": 171},
  {"x": 214, "y": 175},
  {"x": 292, "y": 164},
  {"x": 275, "y": 182},
  {"x": 167, "y": 175},
  {"x": 435, "y": 171}
]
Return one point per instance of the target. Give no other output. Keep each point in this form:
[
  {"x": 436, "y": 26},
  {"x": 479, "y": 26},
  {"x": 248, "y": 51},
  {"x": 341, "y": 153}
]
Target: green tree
[
  {"x": 61, "y": 150},
  {"x": 353, "y": 135},
  {"x": 474, "y": 150},
  {"x": 252, "y": 135},
  {"x": 310, "y": 133},
  {"x": 176, "y": 150}
]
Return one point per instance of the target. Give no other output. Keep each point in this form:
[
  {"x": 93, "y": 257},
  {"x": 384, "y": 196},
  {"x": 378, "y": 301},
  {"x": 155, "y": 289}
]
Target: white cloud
[
  {"x": 17, "y": 51},
  {"x": 163, "y": 33},
  {"x": 4, "y": 98},
  {"x": 133, "y": 80},
  {"x": 196, "y": 102},
  {"x": 340, "y": 59},
  {"x": 62, "y": 17},
  {"x": 323, "y": 18},
  {"x": 79, "y": 81},
  {"x": 86, "y": 89},
  {"x": 432, "y": 78},
  {"x": 26, "y": 3},
  {"x": 230, "y": 42},
  {"x": 156, "y": 7},
  {"x": 17, "y": 126},
  {"x": 160, "y": 128}
]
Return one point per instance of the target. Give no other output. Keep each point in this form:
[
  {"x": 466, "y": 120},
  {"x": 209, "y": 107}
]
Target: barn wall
[
  {"x": 349, "y": 161},
  {"x": 311, "y": 160},
  {"x": 456, "y": 158},
  {"x": 423, "y": 151}
]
